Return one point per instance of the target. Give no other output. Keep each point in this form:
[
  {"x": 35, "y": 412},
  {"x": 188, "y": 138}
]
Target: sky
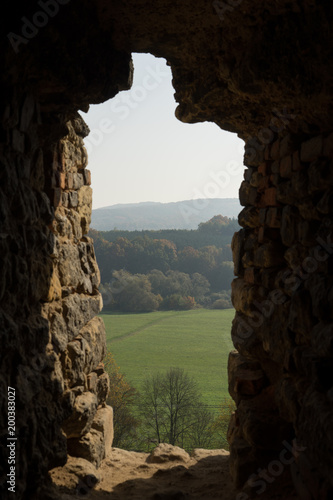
[{"x": 138, "y": 150}]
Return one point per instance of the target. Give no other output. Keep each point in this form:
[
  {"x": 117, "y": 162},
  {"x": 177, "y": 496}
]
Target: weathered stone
[
  {"x": 312, "y": 149},
  {"x": 102, "y": 388},
  {"x": 79, "y": 423},
  {"x": 92, "y": 379},
  {"x": 286, "y": 167},
  {"x": 96, "y": 444},
  {"x": 69, "y": 266},
  {"x": 78, "y": 310},
  {"x": 247, "y": 194},
  {"x": 276, "y": 102},
  {"x": 268, "y": 255},
  {"x": 246, "y": 378},
  {"x": 79, "y": 474},
  {"x": 94, "y": 334},
  {"x": 249, "y": 217},
  {"x": 167, "y": 453}
]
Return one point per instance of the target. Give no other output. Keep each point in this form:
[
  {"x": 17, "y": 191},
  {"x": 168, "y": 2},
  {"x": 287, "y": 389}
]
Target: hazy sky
[{"x": 138, "y": 151}]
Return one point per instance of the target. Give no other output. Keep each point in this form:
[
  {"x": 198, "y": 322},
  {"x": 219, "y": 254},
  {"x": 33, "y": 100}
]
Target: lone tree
[{"x": 169, "y": 407}]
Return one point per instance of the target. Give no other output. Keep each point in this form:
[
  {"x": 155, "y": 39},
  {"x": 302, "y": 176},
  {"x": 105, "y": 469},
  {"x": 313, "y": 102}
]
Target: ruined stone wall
[
  {"x": 281, "y": 379},
  {"x": 78, "y": 335},
  {"x": 231, "y": 67},
  {"x": 52, "y": 343}
]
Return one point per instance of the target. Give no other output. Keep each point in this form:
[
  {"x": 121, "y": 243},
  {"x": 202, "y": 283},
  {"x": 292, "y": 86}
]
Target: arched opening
[
  {"x": 255, "y": 72},
  {"x": 139, "y": 152}
]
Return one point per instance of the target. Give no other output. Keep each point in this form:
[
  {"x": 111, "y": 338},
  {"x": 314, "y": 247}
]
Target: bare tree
[{"x": 169, "y": 406}]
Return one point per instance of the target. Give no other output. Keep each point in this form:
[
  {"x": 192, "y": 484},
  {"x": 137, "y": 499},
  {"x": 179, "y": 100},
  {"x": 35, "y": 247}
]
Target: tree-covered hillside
[
  {"x": 151, "y": 215},
  {"x": 142, "y": 271}
]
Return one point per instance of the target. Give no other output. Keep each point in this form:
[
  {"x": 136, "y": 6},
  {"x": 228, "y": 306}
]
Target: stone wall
[
  {"x": 52, "y": 343},
  {"x": 263, "y": 71},
  {"x": 281, "y": 377}
]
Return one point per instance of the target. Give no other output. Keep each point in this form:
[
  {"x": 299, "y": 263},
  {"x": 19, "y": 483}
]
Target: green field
[{"x": 198, "y": 341}]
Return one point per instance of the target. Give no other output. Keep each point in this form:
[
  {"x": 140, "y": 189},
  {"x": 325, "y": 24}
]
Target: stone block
[
  {"x": 103, "y": 388},
  {"x": 269, "y": 197},
  {"x": 273, "y": 218},
  {"x": 78, "y": 474},
  {"x": 165, "y": 452},
  {"x": 237, "y": 246},
  {"x": 256, "y": 179},
  {"x": 75, "y": 221},
  {"x": 262, "y": 169},
  {"x": 92, "y": 380},
  {"x": 78, "y": 354},
  {"x": 103, "y": 423},
  {"x": 94, "y": 333},
  {"x": 262, "y": 426},
  {"x": 253, "y": 155},
  {"x": 64, "y": 199},
  {"x": 275, "y": 150},
  {"x": 312, "y": 149},
  {"x": 78, "y": 311},
  {"x": 261, "y": 234},
  {"x": 79, "y": 423},
  {"x": 248, "y": 174},
  {"x": 87, "y": 177},
  {"x": 275, "y": 179},
  {"x": 249, "y": 217},
  {"x": 95, "y": 445},
  {"x": 78, "y": 181},
  {"x": 247, "y": 194},
  {"x": 287, "y": 146},
  {"x": 69, "y": 266},
  {"x": 243, "y": 295},
  {"x": 263, "y": 183},
  {"x": 250, "y": 275},
  {"x": 70, "y": 180},
  {"x": 242, "y": 464},
  {"x": 286, "y": 167},
  {"x": 56, "y": 197},
  {"x": 73, "y": 199},
  {"x": 268, "y": 255},
  {"x": 285, "y": 193},
  {"x": 245, "y": 377}
]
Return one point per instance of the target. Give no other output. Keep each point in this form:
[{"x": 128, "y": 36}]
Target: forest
[{"x": 144, "y": 271}]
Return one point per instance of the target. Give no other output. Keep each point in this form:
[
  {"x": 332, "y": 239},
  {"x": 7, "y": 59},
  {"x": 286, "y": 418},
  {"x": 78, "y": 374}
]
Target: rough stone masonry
[{"x": 262, "y": 70}]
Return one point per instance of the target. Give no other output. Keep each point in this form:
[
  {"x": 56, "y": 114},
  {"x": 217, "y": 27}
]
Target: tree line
[{"x": 146, "y": 273}]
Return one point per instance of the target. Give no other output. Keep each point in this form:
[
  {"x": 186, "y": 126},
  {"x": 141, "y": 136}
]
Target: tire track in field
[{"x": 141, "y": 329}]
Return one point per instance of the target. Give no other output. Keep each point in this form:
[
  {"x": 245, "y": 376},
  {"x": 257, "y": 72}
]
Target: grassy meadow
[{"x": 198, "y": 341}]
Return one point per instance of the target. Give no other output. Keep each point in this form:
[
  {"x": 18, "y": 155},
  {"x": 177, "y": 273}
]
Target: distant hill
[{"x": 151, "y": 215}]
